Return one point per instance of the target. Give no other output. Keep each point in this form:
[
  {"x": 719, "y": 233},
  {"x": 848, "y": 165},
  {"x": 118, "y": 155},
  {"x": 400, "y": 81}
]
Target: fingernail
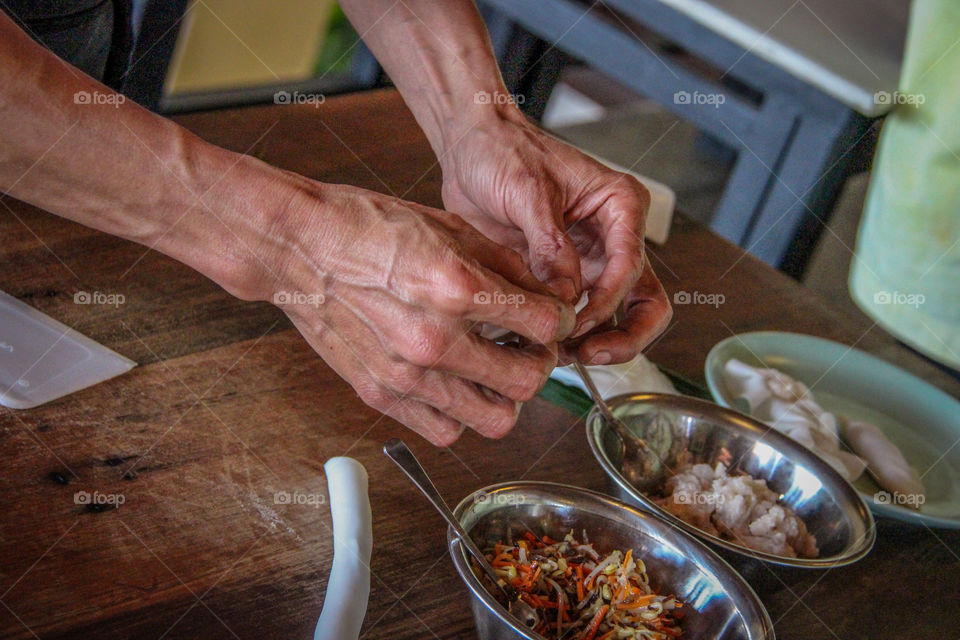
[
  {"x": 519, "y": 405},
  {"x": 584, "y": 328},
  {"x": 491, "y": 395},
  {"x": 564, "y": 288},
  {"x": 601, "y": 357}
]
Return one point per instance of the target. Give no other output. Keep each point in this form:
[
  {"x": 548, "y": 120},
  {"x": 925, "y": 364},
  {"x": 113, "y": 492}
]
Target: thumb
[{"x": 553, "y": 258}]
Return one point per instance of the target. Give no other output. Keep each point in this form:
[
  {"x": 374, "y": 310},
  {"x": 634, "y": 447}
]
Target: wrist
[
  {"x": 488, "y": 108},
  {"x": 497, "y": 128},
  {"x": 226, "y": 222}
]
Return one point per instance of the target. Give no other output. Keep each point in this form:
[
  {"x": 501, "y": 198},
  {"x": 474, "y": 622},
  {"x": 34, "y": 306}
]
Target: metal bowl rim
[
  {"x": 779, "y": 441},
  {"x": 717, "y": 565}
]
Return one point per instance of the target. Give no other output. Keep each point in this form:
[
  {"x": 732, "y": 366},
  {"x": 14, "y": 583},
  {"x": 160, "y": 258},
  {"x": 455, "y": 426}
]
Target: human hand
[
  {"x": 578, "y": 224},
  {"x": 389, "y": 292}
]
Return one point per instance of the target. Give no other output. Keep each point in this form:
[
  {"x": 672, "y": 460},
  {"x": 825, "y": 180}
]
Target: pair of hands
[{"x": 406, "y": 287}]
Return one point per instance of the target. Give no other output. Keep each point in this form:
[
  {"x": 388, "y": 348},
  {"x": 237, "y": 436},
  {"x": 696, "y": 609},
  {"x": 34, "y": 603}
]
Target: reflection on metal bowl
[{"x": 673, "y": 425}]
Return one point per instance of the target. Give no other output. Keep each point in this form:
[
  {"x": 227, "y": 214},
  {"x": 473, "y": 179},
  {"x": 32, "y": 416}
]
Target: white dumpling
[
  {"x": 788, "y": 406},
  {"x": 884, "y": 459}
]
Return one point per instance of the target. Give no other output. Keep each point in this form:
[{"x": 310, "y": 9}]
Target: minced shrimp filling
[{"x": 739, "y": 508}]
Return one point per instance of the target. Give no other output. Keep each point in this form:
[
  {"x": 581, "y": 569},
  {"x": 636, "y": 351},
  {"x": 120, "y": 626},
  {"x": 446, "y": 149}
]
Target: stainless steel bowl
[
  {"x": 829, "y": 506},
  {"x": 718, "y": 602}
]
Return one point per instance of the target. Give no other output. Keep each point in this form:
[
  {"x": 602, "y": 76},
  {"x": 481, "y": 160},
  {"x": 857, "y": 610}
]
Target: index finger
[
  {"x": 647, "y": 314},
  {"x": 501, "y": 262},
  {"x": 536, "y": 316},
  {"x": 623, "y": 246}
]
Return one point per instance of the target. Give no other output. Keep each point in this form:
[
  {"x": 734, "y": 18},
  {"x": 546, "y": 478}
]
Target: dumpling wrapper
[{"x": 884, "y": 460}]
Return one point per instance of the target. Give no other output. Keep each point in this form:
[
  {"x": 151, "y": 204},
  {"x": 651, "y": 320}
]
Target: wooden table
[{"x": 230, "y": 406}]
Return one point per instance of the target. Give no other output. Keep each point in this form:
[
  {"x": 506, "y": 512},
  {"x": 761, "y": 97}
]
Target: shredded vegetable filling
[{"x": 580, "y": 594}]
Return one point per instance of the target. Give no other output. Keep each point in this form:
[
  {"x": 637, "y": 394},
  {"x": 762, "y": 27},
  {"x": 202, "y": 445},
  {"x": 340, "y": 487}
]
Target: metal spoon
[
  {"x": 397, "y": 451},
  {"x": 640, "y": 464}
]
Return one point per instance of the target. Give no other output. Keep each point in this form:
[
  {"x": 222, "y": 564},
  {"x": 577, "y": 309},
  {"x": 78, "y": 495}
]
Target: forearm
[
  {"x": 439, "y": 56},
  {"x": 109, "y": 164}
]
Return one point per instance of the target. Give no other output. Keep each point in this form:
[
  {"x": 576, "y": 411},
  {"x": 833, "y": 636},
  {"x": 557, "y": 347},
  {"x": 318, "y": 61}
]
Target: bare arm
[
  {"x": 256, "y": 230},
  {"x": 578, "y": 224},
  {"x": 74, "y": 147},
  {"x": 439, "y": 56}
]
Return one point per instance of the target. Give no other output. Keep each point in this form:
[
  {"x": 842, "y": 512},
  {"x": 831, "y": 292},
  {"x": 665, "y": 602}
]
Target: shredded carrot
[
  {"x": 536, "y": 574},
  {"x": 579, "y": 583},
  {"x": 619, "y": 592},
  {"x": 595, "y": 623},
  {"x": 639, "y": 602},
  {"x": 550, "y": 591}
]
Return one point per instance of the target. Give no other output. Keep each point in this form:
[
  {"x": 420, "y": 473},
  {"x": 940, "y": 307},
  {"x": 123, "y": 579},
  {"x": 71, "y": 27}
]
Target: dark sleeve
[{"x": 78, "y": 31}]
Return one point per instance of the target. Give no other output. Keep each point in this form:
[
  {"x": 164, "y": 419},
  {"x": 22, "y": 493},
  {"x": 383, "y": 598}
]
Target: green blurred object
[
  {"x": 906, "y": 271},
  {"x": 570, "y": 398},
  {"x": 336, "y": 53}
]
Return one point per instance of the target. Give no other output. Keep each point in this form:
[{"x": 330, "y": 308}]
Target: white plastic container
[{"x": 42, "y": 359}]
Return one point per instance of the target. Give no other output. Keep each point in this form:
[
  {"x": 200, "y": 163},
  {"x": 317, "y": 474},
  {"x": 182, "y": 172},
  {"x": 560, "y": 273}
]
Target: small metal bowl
[
  {"x": 718, "y": 602},
  {"x": 829, "y": 506}
]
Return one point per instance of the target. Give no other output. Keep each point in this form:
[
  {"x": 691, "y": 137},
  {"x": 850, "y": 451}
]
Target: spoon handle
[
  {"x": 631, "y": 442},
  {"x": 397, "y": 451},
  {"x": 594, "y": 392}
]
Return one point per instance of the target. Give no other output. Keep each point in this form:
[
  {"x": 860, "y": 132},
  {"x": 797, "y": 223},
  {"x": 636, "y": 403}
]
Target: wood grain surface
[{"x": 229, "y": 406}]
